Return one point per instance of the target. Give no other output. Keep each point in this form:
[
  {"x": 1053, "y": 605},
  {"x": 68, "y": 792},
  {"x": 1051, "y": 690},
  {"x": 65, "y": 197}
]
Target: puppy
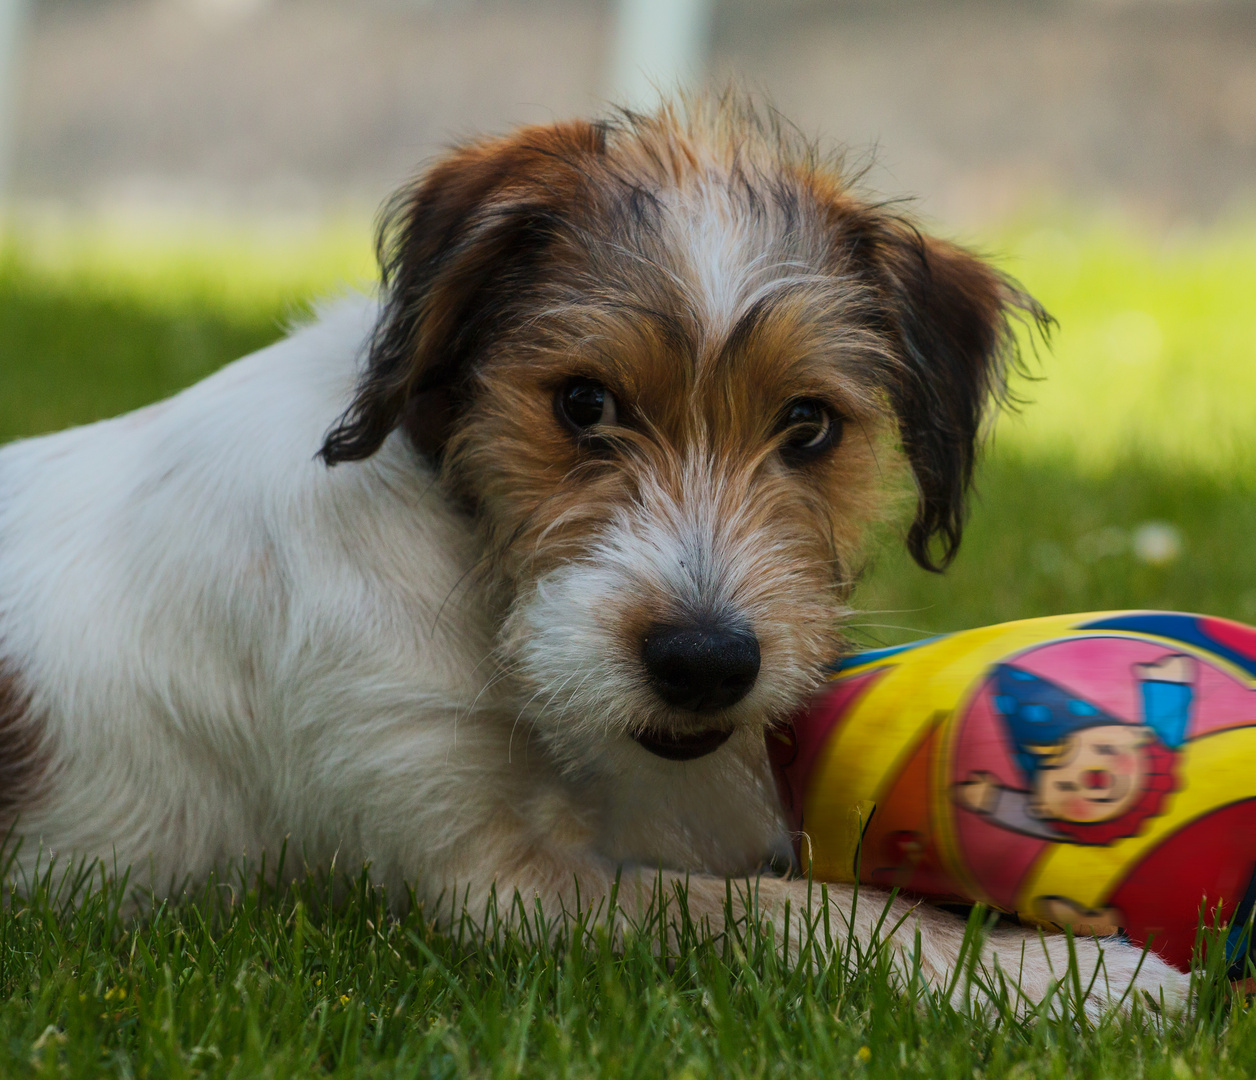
[{"x": 497, "y": 582}]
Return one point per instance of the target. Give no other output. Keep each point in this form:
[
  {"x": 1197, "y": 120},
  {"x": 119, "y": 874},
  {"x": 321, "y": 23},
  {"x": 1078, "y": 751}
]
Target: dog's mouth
[{"x": 683, "y": 747}]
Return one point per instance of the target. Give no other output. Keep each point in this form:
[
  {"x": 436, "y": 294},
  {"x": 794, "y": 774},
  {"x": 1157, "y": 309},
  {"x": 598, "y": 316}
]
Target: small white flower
[{"x": 1157, "y": 543}]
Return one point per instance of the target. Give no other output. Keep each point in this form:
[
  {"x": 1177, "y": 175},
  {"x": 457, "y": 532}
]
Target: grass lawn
[{"x": 1127, "y": 482}]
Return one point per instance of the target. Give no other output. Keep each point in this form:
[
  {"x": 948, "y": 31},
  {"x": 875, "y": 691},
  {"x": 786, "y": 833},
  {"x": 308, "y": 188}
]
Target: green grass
[
  {"x": 1143, "y": 417},
  {"x": 244, "y": 983}
]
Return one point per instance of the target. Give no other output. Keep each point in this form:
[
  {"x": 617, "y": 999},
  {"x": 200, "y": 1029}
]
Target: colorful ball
[{"x": 1096, "y": 770}]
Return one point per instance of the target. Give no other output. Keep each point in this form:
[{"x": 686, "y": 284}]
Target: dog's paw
[
  {"x": 1117, "y": 974},
  {"x": 1101, "y": 975}
]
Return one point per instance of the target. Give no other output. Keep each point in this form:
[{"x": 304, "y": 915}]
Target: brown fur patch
[
  {"x": 23, "y": 762},
  {"x": 459, "y": 252}
]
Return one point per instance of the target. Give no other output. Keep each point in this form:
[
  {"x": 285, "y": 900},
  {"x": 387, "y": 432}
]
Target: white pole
[
  {"x": 12, "y": 26},
  {"x": 660, "y": 45}
]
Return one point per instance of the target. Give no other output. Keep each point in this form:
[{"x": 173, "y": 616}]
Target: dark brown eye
[
  {"x": 811, "y": 427},
  {"x": 582, "y": 404}
]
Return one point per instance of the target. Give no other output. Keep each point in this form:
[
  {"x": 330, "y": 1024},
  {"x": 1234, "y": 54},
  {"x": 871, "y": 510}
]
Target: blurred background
[
  {"x": 182, "y": 176},
  {"x": 297, "y": 106}
]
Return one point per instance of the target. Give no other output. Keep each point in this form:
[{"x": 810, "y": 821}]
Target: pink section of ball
[{"x": 1100, "y": 670}]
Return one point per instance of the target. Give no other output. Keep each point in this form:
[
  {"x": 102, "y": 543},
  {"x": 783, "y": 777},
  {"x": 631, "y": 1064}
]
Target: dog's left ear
[
  {"x": 949, "y": 316},
  {"x": 459, "y": 252}
]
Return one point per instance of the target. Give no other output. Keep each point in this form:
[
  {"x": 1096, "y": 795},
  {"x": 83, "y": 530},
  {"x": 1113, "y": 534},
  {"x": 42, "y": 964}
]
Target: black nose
[{"x": 701, "y": 668}]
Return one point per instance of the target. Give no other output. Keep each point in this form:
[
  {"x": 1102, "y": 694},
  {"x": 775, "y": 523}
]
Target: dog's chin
[{"x": 687, "y": 746}]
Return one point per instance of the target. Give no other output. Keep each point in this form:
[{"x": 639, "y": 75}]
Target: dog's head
[{"x": 674, "y": 369}]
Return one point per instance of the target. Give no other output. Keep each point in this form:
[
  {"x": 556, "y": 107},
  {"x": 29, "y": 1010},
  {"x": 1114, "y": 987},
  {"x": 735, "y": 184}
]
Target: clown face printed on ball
[{"x": 1095, "y": 774}]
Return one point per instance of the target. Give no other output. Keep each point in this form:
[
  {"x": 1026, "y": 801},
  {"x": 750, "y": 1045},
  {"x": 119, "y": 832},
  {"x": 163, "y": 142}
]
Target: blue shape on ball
[
  {"x": 1175, "y": 627},
  {"x": 1038, "y": 712}
]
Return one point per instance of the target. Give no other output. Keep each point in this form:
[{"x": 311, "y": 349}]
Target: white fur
[
  {"x": 730, "y": 259},
  {"x": 228, "y": 644}
]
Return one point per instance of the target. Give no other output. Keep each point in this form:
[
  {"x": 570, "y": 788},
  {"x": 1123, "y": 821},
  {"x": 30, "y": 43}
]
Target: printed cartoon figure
[{"x": 1093, "y": 778}]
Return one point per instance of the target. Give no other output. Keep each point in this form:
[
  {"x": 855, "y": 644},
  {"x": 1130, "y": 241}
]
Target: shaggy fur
[{"x": 372, "y": 590}]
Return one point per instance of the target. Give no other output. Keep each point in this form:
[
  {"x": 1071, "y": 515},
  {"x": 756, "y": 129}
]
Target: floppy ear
[
  {"x": 458, "y": 253},
  {"x": 949, "y": 316}
]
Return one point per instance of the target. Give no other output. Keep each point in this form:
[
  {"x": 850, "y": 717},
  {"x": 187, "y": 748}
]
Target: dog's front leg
[
  {"x": 531, "y": 851},
  {"x": 1031, "y": 966},
  {"x": 814, "y": 923}
]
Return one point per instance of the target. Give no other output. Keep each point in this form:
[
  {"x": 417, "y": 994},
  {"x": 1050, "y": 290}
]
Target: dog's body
[
  {"x": 605, "y": 454},
  {"x": 221, "y": 643}
]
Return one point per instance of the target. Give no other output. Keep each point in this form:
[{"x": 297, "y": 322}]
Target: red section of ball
[
  {"x": 1211, "y": 860},
  {"x": 793, "y": 750},
  {"x": 1236, "y": 636}
]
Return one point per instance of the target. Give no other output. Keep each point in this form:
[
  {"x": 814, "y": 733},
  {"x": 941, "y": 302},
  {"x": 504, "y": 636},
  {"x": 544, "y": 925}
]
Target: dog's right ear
[
  {"x": 948, "y": 318},
  {"x": 459, "y": 252}
]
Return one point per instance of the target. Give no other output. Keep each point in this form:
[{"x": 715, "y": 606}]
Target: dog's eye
[
  {"x": 585, "y": 403},
  {"x": 811, "y": 427}
]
